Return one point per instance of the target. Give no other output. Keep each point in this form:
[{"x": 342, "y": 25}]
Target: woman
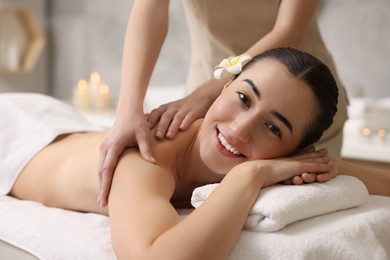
[
  {"x": 218, "y": 29},
  {"x": 278, "y": 106}
]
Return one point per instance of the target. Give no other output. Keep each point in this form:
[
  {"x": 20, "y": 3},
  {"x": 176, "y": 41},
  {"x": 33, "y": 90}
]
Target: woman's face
[{"x": 260, "y": 115}]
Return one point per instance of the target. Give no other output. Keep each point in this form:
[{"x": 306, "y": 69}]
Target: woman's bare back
[{"x": 64, "y": 174}]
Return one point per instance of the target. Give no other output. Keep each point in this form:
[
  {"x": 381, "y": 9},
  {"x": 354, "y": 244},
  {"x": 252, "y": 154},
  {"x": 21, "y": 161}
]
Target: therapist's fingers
[
  {"x": 102, "y": 156},
  {"x": 182, "y": 120},
  {"x": 144, "y": 145},
  {"x": 174, "y": 126},
  {"x": 164, "y": 123},
  {"x": 155, "y": 115},
  {"x": 189, "y": 118},
  {"x": 107, "y": 171}
]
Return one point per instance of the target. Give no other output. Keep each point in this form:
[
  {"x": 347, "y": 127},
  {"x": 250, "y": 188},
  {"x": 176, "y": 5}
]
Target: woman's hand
[
  {"x": 280, "y": 170},
  {"x": 129, "y": 132},
  {"x": 307, "y": 155}
]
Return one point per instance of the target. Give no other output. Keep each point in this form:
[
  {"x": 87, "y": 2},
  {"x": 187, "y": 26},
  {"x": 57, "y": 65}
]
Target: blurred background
[
  {"x": 70, "y": 39},
  {"x": 87, "y": 35}
]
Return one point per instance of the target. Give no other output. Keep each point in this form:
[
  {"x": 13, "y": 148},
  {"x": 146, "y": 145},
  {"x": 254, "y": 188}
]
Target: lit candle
[
  {"x": 381, "y": 133},
  {"x": 81, "y": 96},
  {"x": 104, "y": 98},
  {"x": 93, "y": 85},
  {"x": 100, "y": 92}
]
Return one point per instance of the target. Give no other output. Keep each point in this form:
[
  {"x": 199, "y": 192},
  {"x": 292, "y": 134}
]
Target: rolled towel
[{"x": 280, "y": 205}]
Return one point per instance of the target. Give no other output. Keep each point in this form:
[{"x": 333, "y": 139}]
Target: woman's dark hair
[{"x": 318, "y": 77}]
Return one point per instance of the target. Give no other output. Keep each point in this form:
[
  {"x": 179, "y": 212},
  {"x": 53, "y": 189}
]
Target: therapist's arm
[{"x": 146, "y": 31}]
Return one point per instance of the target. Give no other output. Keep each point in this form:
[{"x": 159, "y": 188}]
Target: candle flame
[
  {"x": 95, "y": 77},
  {"x": 104, "y": 89},
  {"x": 381, "y": 133},
  {"x": 82, "y": 84},
  {"x": 366, "y": 131}
]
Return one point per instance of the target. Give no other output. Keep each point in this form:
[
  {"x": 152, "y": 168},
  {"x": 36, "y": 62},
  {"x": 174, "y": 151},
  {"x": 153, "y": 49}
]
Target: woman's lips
[{"x": 225, "y": 148}]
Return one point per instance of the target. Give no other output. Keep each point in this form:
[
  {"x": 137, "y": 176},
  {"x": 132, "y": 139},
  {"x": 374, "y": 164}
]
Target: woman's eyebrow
[
  {"x": 254, "y": 88},
  {"x": 279, "y": 116},
  {"x": 282, "y": 119}
]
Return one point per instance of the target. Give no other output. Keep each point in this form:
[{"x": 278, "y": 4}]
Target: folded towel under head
[{"x": 280, "y": 205}]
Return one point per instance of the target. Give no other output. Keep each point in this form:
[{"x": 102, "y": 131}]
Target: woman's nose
[{"x": 242, "y": 128}]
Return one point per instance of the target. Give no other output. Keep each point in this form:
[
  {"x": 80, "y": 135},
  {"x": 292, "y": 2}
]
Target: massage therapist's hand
[
  {"x": 178, "y": 115},
  {"x": 128, "y": 131},
  {"x": 311, "y": 155}
]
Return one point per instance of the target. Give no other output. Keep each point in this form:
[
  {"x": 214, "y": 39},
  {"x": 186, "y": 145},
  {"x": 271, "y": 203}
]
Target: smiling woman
[
  {"x": 321, "y": 82},
  {"x": 270, "y": 110}
]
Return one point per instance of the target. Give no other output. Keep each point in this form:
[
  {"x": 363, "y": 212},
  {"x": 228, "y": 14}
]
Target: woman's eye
[
  {"x": 275, "y": 130},
  {"x": 244, "y": 98}
]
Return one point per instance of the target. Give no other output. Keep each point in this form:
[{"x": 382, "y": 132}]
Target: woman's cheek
[{"x": 224, "y": 108}]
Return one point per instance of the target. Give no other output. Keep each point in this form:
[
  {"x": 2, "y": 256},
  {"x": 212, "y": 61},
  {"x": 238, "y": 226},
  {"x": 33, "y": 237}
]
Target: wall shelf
[{"x": 21, "y": 39}]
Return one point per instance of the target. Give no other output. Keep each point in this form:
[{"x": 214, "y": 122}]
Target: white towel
[
  {"x": 280, "y": 205},
  {"x": 53, "y": 233},
  {"x": 49, "y": 233},
  {"x": 28, "y": 123}
]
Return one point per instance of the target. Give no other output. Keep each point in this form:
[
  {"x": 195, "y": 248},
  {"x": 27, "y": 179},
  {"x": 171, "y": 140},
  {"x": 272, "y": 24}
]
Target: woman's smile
[
  {"x": 225, "y": 148},
  {"x": 254, "y": 117}
]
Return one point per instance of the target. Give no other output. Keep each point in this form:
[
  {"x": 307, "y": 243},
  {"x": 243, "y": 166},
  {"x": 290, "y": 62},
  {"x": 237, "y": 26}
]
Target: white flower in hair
[{"x": 232, "y": 64}]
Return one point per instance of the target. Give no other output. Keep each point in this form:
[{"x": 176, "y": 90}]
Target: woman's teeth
[{"x": 227, "y": 145}]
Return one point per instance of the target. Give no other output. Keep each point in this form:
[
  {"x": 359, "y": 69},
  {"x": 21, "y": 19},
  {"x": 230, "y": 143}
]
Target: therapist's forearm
[
  {"x": 290, "y": 28},
  {"x": 211, "y": 89},
  {"x": 146, "y": 32}
]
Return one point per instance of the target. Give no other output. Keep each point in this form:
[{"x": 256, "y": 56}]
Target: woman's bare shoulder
[
  {"x": 160, "y": 176},
  {"x": 137, "y": 171}
]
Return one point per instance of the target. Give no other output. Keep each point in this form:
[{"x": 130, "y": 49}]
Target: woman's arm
[
  {"x": 376, "y": 179},
  {"x": 144, "y": 225}
]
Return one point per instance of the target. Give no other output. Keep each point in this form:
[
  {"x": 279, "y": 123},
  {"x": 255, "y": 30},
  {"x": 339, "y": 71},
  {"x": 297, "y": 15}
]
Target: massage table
[{"x": 29, "y": 230}]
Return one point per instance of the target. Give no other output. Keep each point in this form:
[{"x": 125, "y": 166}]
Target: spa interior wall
[
  {"x": 87, "y": 35},
  {"x": 38, "y": 79}
]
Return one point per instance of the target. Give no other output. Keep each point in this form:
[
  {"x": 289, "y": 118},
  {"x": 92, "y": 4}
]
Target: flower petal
[
  {"x": 235, "y": 69},
  {"x": 232, "y": 64},
  {"x": 244, "y": 57},
  {"x": 218, "y": 73}
]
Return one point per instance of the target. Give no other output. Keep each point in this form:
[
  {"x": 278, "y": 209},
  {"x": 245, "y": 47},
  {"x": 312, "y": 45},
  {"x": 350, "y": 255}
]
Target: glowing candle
[
  {"x": 381, "y": 133},
  {"x": 93, "y": 85},
  {"x": 104, "y": 98},
  {"x": 81, "y": 95},
  {"x": 366, "y": 131}
]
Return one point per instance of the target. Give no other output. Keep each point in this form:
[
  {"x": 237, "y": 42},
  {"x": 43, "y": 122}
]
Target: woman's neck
[
  {"x": 181, "y": 156},
  {"x": 189, "y": 165}
]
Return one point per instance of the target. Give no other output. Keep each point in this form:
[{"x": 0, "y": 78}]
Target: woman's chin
[{"x": 215, "y": 165}]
